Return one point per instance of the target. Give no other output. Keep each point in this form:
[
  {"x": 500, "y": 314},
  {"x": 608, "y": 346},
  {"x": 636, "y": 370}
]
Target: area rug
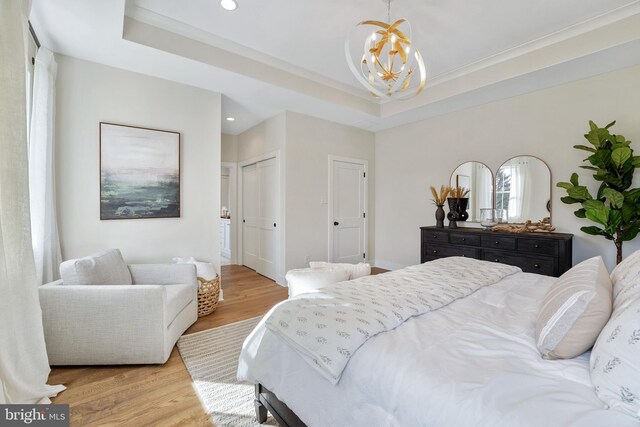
[{"x": 211, "y": 358}]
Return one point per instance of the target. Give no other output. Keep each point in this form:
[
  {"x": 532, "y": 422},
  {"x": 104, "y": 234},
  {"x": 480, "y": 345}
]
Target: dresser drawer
[
  {"x": 435, "y": 236},
  {"x": 538, "y": 246},
  {"x": 464, "y": 239},
  {"x": 499, "y": 242},
  {"x": 451, "y": 250},
  {"x": 528, "y": 263}
]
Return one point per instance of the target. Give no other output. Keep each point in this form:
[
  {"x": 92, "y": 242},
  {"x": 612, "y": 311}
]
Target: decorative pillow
[
  {"x": 103, "y": 268},
  {"x": 305, "y": 280},
  {"x": 626, "y": 278},
  {"x": 355, "y": 270},
  {"x": 615, "y": 360},
  {"x": 206, "y": 270},
  {"x": 574, "y": 311}
]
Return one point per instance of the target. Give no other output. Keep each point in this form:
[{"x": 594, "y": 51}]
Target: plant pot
[
  {"x": 452, "y": 216},
  {"x": 440, "y": 216},
  {"x": 463, "y": 215}
]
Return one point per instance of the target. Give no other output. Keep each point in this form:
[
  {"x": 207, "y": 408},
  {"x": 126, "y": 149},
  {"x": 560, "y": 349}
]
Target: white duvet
[{"x": 471, "y": 363}]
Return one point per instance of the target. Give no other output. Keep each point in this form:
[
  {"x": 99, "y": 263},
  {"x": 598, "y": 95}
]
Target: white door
[
  {"x": 250, "y": 242},
  {"x": 267, "y": 217},
  {"x": 347, "y": 220}
]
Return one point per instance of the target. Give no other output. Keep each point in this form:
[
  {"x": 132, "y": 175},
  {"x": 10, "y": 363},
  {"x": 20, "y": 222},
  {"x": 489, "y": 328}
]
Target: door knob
[
  {"x": 336, "y": 223},
  {"x": 244, "y": 220},
  {"x": 274, "y": 224}
]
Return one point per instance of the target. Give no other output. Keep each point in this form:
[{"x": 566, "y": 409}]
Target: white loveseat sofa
[{"x": 106, "y": 324}]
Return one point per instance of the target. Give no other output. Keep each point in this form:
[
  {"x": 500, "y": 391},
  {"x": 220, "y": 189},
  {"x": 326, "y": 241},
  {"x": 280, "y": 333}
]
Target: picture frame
[{"x": 139, "y": 172}]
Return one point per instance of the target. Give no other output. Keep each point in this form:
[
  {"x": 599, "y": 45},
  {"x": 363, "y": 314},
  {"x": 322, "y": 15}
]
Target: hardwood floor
[{"x": 161, "y": 395}]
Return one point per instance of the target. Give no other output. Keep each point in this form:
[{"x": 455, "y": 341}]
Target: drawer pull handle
[
  {"x": 435, "y": 251},
  {"x": 536, "y": 246},
  {"x": 497, "y": 260},
  {"x": 536, "y": 265},
  {"x": 435, "y": 236},
  {"x": 497, "y": 242},
  {"x": 464, "y": 239},
  {"x": 463, "y": 255}
]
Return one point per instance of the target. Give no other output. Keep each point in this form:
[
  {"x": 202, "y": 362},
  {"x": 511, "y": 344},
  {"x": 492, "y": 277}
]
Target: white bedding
[{"x": 471, "y": 363}]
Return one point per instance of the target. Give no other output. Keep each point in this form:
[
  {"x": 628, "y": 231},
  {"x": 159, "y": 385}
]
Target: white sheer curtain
[
  {"x": 24, "y": 367},
  {"x": 520, "y": 184},
  {"x": 44, "y": 225}
]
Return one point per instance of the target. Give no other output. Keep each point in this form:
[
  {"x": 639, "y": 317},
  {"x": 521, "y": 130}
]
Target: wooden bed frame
[{"x": 267, "y": 401}]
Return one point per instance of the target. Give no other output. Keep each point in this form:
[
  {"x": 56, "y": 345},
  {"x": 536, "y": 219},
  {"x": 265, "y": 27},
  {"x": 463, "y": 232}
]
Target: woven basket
[{"x": 208, "y": 295}]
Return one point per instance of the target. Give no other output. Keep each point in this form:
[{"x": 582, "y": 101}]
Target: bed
[{"x": 471, "y": 362}]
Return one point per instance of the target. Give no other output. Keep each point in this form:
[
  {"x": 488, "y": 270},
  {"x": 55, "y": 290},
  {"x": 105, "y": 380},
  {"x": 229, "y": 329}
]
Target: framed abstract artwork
[{"x": 139, "y": 172}]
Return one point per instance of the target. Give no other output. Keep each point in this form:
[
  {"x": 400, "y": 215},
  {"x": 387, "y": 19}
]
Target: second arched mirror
[
  {"x": 523, "y": 189},
  {"x": 476, "y": 177}
]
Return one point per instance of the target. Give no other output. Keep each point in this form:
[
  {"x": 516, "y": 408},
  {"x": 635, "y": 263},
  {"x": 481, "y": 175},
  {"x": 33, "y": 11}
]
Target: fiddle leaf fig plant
[{"x": 616, "y": 207}]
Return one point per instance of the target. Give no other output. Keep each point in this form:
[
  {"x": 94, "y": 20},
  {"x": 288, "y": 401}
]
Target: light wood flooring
[{"x": 161, "y": 395}]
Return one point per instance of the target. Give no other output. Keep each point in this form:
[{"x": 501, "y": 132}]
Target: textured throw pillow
[
  {"x": 574, "y": 311},
  {"x": 305, "y": 280},
  {"x": 615, "y": 360},
  {"x": 355, "y": 270},
  {"x": 626, "y": 279},
  {"x": 104, "y": 268}
]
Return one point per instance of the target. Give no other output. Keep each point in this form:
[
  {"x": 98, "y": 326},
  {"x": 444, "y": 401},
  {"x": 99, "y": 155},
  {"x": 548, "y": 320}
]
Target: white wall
[
  {"x": 545, "y": 124},
  {"x": 88, "y": 93},
  {"x": 310, "y": 141},
  {"x": 229, "y": 148}
]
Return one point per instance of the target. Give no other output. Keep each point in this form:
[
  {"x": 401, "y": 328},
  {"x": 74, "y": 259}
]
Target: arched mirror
[
  {"x": 523, "y": 189},
  {"x": 477, "y": 177}
]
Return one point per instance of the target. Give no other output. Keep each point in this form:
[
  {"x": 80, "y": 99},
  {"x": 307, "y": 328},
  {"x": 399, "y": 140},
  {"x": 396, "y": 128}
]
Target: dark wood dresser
[{"x": 542, "y": 253}]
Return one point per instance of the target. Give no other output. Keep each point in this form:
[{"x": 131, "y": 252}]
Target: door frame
[
  {"x": 364, "y": 163},
  {"x": 280, "y": 229},
  {"x": 233, "y": 202}
]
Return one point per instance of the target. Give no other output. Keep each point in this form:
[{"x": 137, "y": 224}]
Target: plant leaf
[
  {"x": 610, "y": 124},
  {"x": 565, "y": 185},
  {"x": 579, "y": 192},
  {"x": 615, "y": 198},
  {"x": 574, "y": 178},
  {"x": 593, "y": 230},
  {"x": 631, "y": 233},
  {"x": 591, "y": 168},
  {"x": 569, "y": 200},
  {"x": 620, "y": 155},
  {"x": 580, "y": 213},
  {"x": 585, "y": 148}
]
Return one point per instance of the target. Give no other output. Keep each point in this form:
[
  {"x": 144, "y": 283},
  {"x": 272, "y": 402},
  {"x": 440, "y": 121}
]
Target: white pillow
[
  {"x": 355, "y": 270},
  {"x": 104, "y": 268},
  {"x": 306, "y": 280},
  {"x": 574, "y": 311},
  {"x": 626, "y": 278},
  {"x": 615, "y": 360}
]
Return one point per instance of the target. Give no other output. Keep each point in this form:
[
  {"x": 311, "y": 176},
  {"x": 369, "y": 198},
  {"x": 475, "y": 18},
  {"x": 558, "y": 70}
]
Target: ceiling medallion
[{"x": 390, "y": 67}]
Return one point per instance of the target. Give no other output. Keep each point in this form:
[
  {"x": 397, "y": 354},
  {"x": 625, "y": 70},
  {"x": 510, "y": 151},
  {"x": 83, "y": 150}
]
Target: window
[{"x": 503, "y": 188}]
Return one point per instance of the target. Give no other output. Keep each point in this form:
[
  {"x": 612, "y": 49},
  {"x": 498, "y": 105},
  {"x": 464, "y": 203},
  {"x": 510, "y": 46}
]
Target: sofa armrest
[
  {"x": 99, "y": 321},
  {"x": 163, "y": 274}
]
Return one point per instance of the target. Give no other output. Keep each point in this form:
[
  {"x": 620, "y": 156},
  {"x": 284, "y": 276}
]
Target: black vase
[
  {"x": 452, "y": 216},
  {"x": 463, "y": 215},
  {"x": 440, "y": 217}
]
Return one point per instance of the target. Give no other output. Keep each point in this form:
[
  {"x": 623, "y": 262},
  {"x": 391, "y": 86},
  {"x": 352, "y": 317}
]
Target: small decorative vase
[
  {"x": 463, "y": 215},
  {"x": 440, "y": 216},
  {"x": 452, "y": 216}
]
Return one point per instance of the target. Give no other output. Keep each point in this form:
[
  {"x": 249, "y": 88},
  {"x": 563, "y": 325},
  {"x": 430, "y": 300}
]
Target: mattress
[{"x": 471, "y": 363}]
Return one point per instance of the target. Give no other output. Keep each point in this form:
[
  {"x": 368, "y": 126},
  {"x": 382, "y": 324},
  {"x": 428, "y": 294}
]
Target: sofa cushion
[
  {"x": 574, "y": 311},
  {"x": 104, "y": 268},
  {"x": 306, "y": 280},
  {"x": 178, "y": 297},
  {"x": 355, "y": 270}
]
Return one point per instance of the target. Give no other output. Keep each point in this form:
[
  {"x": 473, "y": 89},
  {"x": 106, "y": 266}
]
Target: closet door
[
  {"x": 250, "y": 238},
  {"x": 268, "y": 203}
]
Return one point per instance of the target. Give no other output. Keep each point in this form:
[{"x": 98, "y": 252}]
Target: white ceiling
[{"x": 272, "y": 55}]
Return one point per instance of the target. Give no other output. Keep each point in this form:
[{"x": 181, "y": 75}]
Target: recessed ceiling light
[
  {"x": 230, "y": 119},
  {"x": 229, "y": 4}
]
